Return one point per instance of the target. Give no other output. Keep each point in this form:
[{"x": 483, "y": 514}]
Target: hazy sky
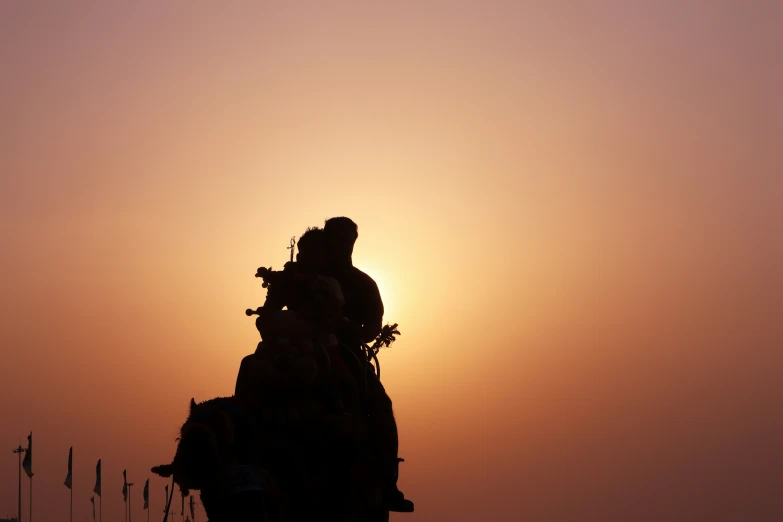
[{"x": 573, "y": 211}]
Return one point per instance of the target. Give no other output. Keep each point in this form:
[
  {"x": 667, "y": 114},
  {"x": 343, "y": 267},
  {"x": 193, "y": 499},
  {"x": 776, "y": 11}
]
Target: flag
[
  {"x": 192, "y": 508},
  {"x": 69, "y": 478},
  {"x": 166, "y": 499},
  {"x": 27, "y": 463},
  {"x": 97, "y": 488},
  {"x": 92, "y": 499},
  {"x": 146, "y": 494},
  {"x": 125, "y": 486}
]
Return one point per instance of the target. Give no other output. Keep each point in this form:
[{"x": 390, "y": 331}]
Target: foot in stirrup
[{"x": 396, "y": 501}]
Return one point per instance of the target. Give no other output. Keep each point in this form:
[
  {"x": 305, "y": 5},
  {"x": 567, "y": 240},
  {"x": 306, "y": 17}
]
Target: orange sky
[{"x": 573, "y": 212}]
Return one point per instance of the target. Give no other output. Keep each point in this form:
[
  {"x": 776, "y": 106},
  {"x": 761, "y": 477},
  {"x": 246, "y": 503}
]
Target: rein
[{"x": 372, "y": 355}]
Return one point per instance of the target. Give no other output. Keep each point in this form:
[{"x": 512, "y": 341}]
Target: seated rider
[
  {"x": 326, "y": 315},
  {"x": 306, "y": 329},
  {"x": 364, "y": 312}
]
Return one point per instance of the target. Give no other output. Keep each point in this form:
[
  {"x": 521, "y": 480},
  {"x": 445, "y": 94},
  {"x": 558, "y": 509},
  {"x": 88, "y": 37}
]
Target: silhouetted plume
[{"x": 385, "y": 338}]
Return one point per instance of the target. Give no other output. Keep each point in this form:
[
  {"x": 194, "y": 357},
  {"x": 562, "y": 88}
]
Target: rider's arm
[
  {"x": 373, "y": 312},
  {"x": 275, "y": 300}
]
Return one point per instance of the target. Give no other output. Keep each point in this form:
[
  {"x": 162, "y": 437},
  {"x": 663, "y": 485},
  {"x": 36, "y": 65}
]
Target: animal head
[{"x": 204, "y": 448}]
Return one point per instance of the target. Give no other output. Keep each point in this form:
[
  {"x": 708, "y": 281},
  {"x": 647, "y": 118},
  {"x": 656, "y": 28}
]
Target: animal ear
[
  {"x": 164, "y": 470},
  {"x": 192, "y": 405}
]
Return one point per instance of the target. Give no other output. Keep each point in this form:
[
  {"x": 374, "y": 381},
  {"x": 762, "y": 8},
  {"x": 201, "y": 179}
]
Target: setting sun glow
[{"x": 571, "y": 209}]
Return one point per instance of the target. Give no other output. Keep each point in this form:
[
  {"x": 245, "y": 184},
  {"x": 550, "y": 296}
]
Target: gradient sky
[{"x": 573, "y": 211}]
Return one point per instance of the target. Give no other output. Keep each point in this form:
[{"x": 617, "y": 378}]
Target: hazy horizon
[{"x": 571, "y": 209}]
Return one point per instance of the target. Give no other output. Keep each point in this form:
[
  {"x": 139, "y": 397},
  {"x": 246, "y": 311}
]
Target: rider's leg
[
  {"x": 246, "y": 388},
  {"x": 384, "y": 427}
]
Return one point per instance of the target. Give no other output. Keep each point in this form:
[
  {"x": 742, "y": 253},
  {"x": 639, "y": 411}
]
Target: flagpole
[
  {"x": 30, "y": 516},
  {"x": 70, "y": 518},
  {"x": 19, "y": 451},
  {"x": 129, "y": 500}
]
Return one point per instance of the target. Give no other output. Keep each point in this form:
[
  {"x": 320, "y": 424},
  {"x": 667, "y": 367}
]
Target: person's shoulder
[
  {"x": 353, "y": 276},
  {"x": 363, "y": 276},
  {"x": 365, "y": 281}
]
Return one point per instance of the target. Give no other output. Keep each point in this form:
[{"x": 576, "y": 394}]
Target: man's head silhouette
[
  {"x": 312, "y": 249},
  {"x": 341, "y": 234}
]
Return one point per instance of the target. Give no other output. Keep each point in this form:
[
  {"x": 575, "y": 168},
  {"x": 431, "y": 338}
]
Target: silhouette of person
[
  {"x": 314, "y": 305},
  {"x": 364, "y": 315},
  {"x": 326, "y": 315}
]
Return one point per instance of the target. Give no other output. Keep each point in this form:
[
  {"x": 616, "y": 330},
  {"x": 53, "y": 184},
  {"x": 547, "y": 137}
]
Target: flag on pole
[
  {"x": 97, "y": 488},
  {"x": 125, "y": 486},
  {"x": 166, "y": 499},
  {"x": 146, "y": 494},
  {"x": 69, "y": 478},
  {"x": 92, "y": 499},
  {"x": 27, "y": 463},
  {"x": 192, "y": 508}
]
